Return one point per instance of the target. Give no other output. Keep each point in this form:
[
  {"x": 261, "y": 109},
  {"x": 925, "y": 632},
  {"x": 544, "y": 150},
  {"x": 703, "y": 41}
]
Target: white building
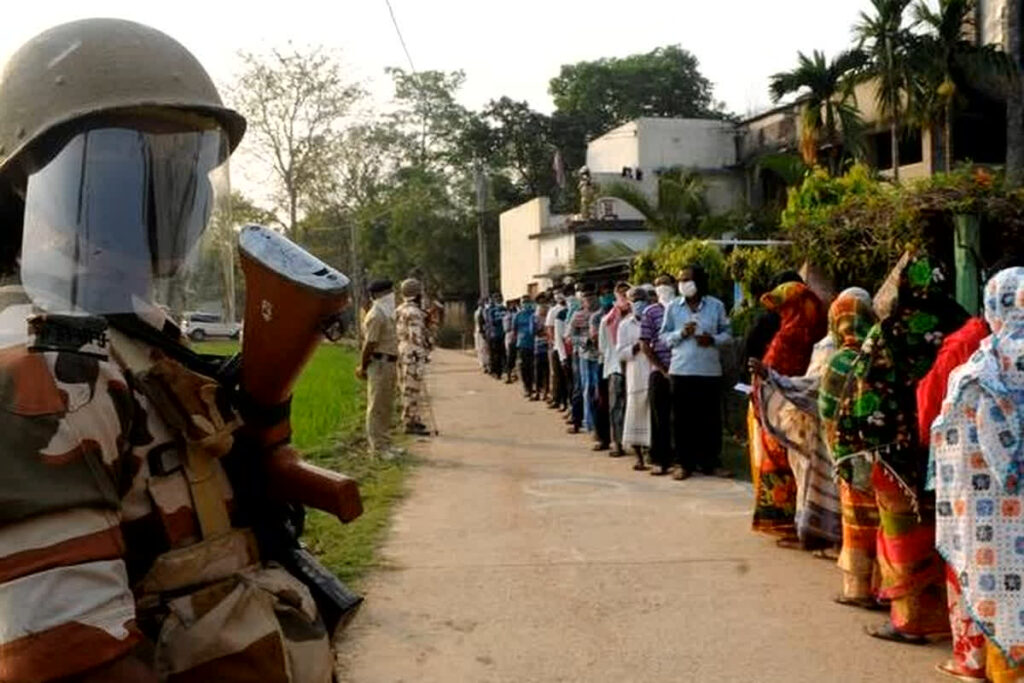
[
  {"x": 646, "y": 147},
  {"x": 538, "y": 246}
]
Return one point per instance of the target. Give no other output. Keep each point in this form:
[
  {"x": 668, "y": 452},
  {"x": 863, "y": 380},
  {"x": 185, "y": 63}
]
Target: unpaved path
[{"x": 522, "y": 556}]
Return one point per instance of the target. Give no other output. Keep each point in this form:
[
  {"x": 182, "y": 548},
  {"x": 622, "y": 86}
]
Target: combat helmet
[
  {"x": 411, "y": 288},
  {"x": 100, "y": 65}
]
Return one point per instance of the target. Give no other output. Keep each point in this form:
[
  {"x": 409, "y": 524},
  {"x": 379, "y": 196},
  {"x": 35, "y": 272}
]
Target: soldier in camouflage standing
[
  {"x": 413, "y": 349},
  {"x": 122, "y": 557}
]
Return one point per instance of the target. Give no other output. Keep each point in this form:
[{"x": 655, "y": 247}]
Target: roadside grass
[{"x": 327, "y": 424}]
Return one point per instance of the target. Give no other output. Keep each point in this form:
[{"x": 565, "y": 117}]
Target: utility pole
[
  {"x": 356, "y": 278},
  {"x": 481, "y": 244}
]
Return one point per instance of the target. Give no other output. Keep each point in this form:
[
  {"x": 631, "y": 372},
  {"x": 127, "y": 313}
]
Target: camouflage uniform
[
  {"x": 100, "y": 540},
  {"x": 413, "y": 350}
]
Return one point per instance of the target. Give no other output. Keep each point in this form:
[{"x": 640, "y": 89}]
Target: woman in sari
[
  {"x": 897, "y": 353},
  {"x": 803, "y": 322},
  {"x": 851, "y": 317},
  {"x": 977, "y": 468},
  {"x": 790, "y": 413}
]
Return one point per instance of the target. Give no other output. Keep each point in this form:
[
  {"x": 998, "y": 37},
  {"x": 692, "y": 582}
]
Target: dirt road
[{"x": 522, "y": 556}]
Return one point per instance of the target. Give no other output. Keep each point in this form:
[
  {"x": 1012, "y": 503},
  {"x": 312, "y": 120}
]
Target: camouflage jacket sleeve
[{"x": 65, "y": 603}]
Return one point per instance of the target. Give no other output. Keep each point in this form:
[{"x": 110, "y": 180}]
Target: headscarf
[
  {"x": 850, "y": 319},
  {"x": 991, "y": 383},
  {"x": 976, "y": 449},
  {"x": 898, "y": 352},
  {"x": 803, "y": 322}
]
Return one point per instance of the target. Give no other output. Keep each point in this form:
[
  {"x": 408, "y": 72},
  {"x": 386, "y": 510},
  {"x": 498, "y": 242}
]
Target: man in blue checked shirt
[{"x": 694, "y": 328}]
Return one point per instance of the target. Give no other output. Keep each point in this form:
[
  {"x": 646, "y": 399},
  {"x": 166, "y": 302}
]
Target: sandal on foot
[
  {"x": 790, "y": 543},
  {"x": 888, "y": 632},
  {"x": 640, "y": 467},
  {"x": 949, "y": 668},
  {"x": 826, "y": 554},
  {"x": 869, "y": 604},
  {"x": 660, "y": 472}
]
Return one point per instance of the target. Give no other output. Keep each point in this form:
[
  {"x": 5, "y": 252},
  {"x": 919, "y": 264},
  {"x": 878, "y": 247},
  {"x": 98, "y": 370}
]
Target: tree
[
  {"x": 681, "y": 204},
  {"x": 296, "y": 103},
  {"x": 885, "y": 39},
  {"x": 428, "y": 114},
  {"x": 611, "y": 91},
  {"x": 947, "y": 61},
  {"x": 1015, "y": 99},
  {"x": 828, "y": 106}
]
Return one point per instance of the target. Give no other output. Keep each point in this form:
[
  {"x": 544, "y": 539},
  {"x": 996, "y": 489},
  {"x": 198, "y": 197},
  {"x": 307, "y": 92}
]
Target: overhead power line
[{"x": 401, "y": 39}]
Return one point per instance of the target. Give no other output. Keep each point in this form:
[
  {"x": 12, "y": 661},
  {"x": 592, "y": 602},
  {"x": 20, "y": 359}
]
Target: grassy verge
[{"x": 327, "y": 423}]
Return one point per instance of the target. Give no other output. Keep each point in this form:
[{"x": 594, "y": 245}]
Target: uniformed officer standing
[
  {"x": 413, "y": 350},
  {"x": 378, "y": 365},
  {"x": 120, "y": 556}
]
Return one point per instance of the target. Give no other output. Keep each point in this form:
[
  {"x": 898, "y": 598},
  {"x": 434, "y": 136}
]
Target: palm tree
[
  {"x": 946, "y": 61},
  {"x": 884, "y": 38},
  {"x": 1015, "y": 100},
  {"x": 828, "y": 107},
  {"x": 680, "y": 207}
]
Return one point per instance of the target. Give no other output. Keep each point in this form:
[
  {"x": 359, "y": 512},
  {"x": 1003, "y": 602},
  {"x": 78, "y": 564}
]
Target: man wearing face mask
[
  {"x": 613, "y": 383},
  {"x": 525, "y": 326},
  {"x": 659, "y": 389},
  {"x": 584, "y": 349},
  {"x": 695, "y": 327},
  {"x": 378, "y": 365},
  {"x": 636, "y": 430}
]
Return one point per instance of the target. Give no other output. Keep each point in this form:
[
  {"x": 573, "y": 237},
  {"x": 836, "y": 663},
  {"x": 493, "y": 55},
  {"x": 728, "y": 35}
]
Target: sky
[{"x": 508, "y": 48}]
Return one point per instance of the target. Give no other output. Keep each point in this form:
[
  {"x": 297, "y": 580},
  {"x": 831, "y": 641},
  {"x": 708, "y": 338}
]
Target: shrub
[{"x": 672, "y": 254}]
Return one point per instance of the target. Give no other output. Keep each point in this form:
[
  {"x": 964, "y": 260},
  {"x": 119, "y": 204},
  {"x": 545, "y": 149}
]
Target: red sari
[{"x": 804, "y": 322}]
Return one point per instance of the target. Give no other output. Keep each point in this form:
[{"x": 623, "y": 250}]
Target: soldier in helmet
[
  {"x": 121, "y": 557},
  {"x": 413, "y": 349}
]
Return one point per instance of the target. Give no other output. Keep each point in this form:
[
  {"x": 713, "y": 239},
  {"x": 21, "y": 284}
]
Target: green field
[{"x": 327, "y": 425}]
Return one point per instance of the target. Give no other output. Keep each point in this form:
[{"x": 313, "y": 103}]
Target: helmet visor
[{"x": 114, "y": 221}]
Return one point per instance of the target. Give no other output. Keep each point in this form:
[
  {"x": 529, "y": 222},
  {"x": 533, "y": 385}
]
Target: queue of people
[
  {"x": 636, "y": 367},
  {"x": 895, "y": 438}
]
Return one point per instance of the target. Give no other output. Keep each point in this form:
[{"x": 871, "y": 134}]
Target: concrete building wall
[
  {"x": 724, "y": 192},
  {"x": 690, "y": 143},
  {"x": 556, "y": 251},
  {"x": 520, "y": 255},
  {"x": 615, "y": 149},
  {"x": 991, "y": 22}
]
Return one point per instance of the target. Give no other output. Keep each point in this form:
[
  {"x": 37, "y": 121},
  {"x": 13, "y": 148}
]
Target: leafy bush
[
  {"x": 672, "y": 254},
  {"x": 754, "y": 267}
]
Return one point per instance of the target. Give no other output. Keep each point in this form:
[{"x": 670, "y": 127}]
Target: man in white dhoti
[{"x": 636, "y": 431}]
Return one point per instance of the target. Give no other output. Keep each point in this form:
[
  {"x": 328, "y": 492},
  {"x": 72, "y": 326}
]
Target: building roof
[{"x": 593, "y": 225}]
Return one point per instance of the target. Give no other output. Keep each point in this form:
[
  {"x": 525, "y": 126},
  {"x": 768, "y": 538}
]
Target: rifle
[{"x": 292, "y": 299}]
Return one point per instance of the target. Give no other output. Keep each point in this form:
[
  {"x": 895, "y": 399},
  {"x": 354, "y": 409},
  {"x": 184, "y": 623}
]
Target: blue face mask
[
  {"x": 607, "y": 300},
  {"x": 638, "y": 308}
]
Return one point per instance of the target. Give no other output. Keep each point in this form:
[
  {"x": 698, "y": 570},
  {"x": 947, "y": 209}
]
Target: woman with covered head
[
  {"x": 803, "y": 323},
  {"x": 850, "y": 318},
  {"x": 789, "y": 410},
  {"x": 978, "y": 463},
  {"x": 916, "y": 315}
]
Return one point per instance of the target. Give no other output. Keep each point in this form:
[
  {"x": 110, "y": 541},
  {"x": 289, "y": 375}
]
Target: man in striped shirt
[{"x": 659, "y": 391}]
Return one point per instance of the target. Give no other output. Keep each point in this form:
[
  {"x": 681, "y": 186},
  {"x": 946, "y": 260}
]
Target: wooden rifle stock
[{"x": 292, "y": 299}]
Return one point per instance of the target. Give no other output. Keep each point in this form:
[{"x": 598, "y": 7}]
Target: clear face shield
[{"x": 116, "y": 222}]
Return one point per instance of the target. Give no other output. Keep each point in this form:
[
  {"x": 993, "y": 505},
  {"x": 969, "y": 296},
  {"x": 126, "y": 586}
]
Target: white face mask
[
  {"x": 688, "y": 289},
  {"x": 665, "y": 294},
  {"x": 387, "y": 304}
]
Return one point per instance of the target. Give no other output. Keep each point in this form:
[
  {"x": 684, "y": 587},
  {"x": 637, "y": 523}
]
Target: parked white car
[{"x": 198, "y": 326}]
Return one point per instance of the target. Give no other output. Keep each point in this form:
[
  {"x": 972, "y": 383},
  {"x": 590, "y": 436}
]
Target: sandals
[
  {"x": 640, "y": 467},
  {"x": 826, "y": 554},
  {"x": 660, "y": 472},
  {"x": 790, "y": 543},
  {"x": 683, "y": 474},
  {"x": 888, "y": 632},
  {"x": 869, "y": 604},
  {"x": 949, "y": 668}
]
